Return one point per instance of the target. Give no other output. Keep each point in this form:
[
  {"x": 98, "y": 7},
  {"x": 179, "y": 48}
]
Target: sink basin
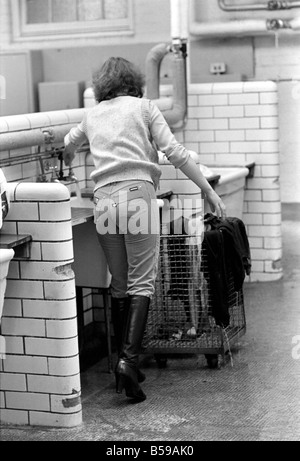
[
  {"x": 230, "y": 186},
  {"x": 90, "y": 264},
  {"x": 229, "y": 174}
]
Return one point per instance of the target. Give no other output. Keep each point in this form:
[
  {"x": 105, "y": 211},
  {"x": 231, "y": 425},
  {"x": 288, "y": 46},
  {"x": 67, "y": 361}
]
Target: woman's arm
[
  {"x": 74, "y": 139},
  {"x": 192, "y": 171},
  {"x": 179, "y": 156}
]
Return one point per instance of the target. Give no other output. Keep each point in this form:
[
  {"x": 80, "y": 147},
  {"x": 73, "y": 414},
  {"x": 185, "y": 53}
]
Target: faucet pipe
[
  {"x": 61, "y": 177},
  {"x": 27, "y": 158},
  {"x": 57, "y": 176}
]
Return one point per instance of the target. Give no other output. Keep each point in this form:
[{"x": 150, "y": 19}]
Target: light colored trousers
[{"x": 127, "y": 221}]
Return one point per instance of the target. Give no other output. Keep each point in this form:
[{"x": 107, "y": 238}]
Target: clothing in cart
[{"x": 227, "y": 251}]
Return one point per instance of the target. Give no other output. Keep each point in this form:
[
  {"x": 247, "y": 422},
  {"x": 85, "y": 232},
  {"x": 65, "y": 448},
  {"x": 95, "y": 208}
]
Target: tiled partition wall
[
  {"x": 236, "y": 124},
  {"x": 40, "y": 376}
]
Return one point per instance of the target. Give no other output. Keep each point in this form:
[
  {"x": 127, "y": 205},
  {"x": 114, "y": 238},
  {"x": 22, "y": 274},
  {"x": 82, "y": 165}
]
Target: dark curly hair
[{"x": 118, "y": 77}]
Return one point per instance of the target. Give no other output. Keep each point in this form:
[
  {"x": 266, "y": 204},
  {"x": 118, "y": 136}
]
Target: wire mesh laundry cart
[{"x": 181, "y": 315}]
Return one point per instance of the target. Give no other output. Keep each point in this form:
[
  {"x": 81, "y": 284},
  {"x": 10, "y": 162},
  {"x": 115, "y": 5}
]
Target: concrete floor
[{"x": 256, "y": 398}]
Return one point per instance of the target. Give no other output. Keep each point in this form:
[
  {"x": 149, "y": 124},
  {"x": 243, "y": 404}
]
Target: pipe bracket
[{"x": 48, "y": 135}]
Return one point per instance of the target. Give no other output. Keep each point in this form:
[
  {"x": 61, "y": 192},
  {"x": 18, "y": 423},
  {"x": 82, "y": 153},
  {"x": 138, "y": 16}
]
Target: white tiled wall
[{"x": 236, "y": 124}]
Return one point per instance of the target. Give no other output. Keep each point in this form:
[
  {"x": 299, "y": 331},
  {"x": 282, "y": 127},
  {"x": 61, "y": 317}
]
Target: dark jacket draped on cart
[{"x": 227, "y": 257}]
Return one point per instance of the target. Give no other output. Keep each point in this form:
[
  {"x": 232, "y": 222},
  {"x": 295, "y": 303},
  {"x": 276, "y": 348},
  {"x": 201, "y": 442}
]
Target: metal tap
[
  {"x": 277, "y": 24},
  {"x": 71, "y": 176},
  {"x": 58, "y": 175},
  {"x": 54, "y": 177}
]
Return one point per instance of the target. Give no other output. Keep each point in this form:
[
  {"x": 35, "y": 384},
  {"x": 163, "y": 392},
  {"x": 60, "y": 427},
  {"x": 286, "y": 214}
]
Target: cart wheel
[
  {"x": 212, "y": 360},
  {"x": 161, "y": 361}
]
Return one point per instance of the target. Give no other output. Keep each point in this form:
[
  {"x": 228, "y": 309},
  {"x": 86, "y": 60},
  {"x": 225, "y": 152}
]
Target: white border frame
[{"x": 66, "y": 30}]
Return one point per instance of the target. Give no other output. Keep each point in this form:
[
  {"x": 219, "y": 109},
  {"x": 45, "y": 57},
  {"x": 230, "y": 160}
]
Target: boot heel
[{"x": 119, "y": 384}]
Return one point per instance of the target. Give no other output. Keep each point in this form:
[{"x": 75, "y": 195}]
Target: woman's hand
[
  {"x": 216, "y": 204},
  {"x": 192, "y": 171},
  {"x": 68, "y": 155}
]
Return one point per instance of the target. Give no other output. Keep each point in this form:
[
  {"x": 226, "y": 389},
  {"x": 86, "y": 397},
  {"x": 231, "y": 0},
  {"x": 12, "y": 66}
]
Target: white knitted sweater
[{"x": 125, "y": 134}]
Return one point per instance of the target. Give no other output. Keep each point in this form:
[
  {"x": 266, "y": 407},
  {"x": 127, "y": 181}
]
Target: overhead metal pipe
[
  {"x": 241, "y": 27},
  {"x": 272, "y": 5},
  {"x": 179, "y": 19},
  {"x": 36, "y": 137},
  {"x": 229, "y": 29}
]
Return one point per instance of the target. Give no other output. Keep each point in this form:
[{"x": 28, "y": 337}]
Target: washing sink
[
  {"x": 229, "y": 183},
  {"x": 90, "y": 264},
  {"x": 228, "y": 174}
]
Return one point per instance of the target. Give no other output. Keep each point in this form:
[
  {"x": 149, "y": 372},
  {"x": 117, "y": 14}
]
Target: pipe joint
[
  {"x": 179, "y": 48},
  {"x": 271, "y": 5},
  {"x": 277, "y": 24},
  {"x": 275, "y": 5},
  {"x": 278, "y": 5},
  {"x": 176, "y": 46},
  {"x": 48, "y": 136}
]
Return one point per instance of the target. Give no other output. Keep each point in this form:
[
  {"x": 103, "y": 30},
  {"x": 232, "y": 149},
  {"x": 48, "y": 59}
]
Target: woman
[{"x": 125, "y": 132}]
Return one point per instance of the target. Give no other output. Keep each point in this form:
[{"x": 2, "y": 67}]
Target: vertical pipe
[
  {"x": 175, "y": 19},
  {"x": 178, "y": 112},
  {"x": 153, "y": 63},
  {"x": 184, "y": 19},
  {"x": 50, "y": 12}
]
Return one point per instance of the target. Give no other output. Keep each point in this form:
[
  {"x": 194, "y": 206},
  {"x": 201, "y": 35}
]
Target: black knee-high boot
[
  {"x": 119, "y": 310},
  {"x": 126, "y": 370}
]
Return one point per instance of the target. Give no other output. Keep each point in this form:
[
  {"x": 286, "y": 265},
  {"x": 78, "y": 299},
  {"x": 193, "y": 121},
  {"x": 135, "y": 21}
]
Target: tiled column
[{"x": 40, "y": 377}]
